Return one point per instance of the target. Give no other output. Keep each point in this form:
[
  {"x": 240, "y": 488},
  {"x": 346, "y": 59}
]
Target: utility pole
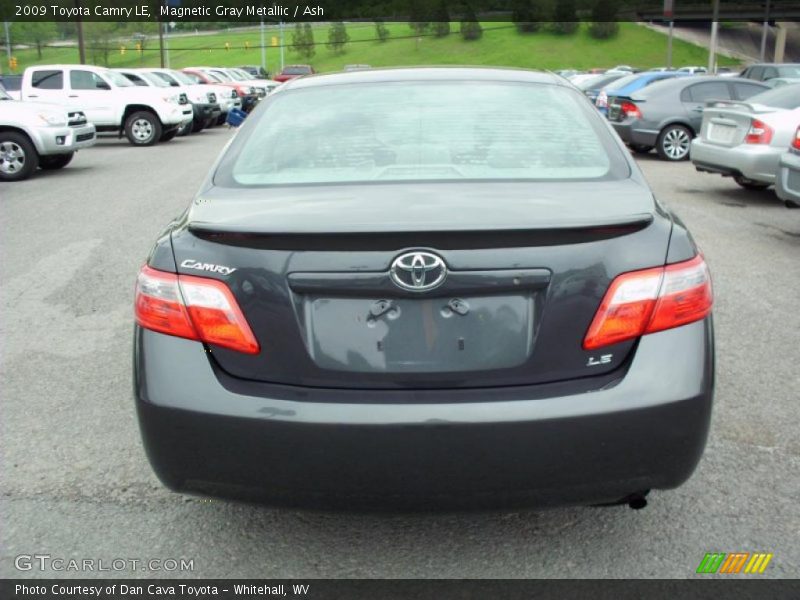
[
  {"x": 81, "y": 44},
  {"x": 712, "y": 51},
  {"x": 263, "y": 48},
  {"x": 161, "y": 42},
  {"x": 763, "y": 55}
]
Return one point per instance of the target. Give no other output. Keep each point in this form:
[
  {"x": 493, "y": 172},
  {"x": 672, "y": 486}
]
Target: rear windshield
[
  {"x": 787, "y": 96},
  {"x": 422, "y": 131}
]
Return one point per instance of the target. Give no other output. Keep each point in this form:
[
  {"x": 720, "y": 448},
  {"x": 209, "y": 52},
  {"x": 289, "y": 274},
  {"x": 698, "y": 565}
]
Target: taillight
[
  {"x": 196, "y": 308},
  {"x": 629, "y": 109},
  {"x": 796, "y": 140},
  {"x": 759, "y": 133},
  {"x": 651, "y": 300}
]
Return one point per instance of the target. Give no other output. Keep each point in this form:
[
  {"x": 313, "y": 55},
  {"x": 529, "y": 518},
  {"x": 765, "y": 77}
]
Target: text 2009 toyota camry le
[{"x": 425, "y": 287}]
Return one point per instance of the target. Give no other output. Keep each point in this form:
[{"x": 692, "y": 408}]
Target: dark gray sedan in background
[
  {"x": 439, "y": 287},
  {"x": 667, "y": 115}
]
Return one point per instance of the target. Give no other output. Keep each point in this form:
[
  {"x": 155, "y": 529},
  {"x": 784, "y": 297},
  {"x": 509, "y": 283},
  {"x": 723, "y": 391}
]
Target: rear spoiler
[
  {"x": 554, "y": 233},
  {"x": 753, "y": 108}
]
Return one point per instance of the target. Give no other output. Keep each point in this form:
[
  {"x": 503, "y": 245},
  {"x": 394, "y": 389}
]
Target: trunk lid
[
  {"x": 314, "y": 278},
  {"x": 726, "y": 122}
]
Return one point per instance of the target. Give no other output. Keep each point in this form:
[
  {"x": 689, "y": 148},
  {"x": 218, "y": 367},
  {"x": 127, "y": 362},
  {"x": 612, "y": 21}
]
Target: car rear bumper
[
  {"x": 631, "y": 134},
  {"x": 206, "y": 432},
  {"x": 787, "y": 185},
  {"x": 753, "y": 161}
]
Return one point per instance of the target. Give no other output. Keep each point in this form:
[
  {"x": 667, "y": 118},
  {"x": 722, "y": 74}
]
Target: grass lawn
[{"x": 501, "y": 45}]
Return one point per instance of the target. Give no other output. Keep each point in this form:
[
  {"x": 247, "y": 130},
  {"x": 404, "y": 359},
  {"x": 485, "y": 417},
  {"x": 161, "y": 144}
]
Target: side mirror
[{"x": 102, "y": 85}]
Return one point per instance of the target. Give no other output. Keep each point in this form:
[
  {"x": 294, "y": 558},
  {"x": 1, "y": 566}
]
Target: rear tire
[
  {"x": 673, "y": 143},
  {"x": 168, "y": 135},
  {"x": 55, "y": 161},
  {"x": 18, "y": 157},
  {"x": 640, "y": 148},
  {"x": 142, "y": 128},
  {"x": 199, "y": 125},
  {"x": 750, "y": 184}
]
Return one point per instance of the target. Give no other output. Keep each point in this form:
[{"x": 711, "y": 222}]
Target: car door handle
[
  {"x": 698, "y": 109},
  {"x": 32, "y": 96},
  {"x": 73, "y": 96}
]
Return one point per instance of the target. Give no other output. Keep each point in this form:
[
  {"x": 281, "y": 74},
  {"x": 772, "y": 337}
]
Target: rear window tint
[
  {"x": 420, "y": 131},
  {"x": 48, "y": 80},
  {"x": 711, "y": 90}
]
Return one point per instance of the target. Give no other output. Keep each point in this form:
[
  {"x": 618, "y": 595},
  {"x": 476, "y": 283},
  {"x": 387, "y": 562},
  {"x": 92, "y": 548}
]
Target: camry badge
[{"x": 418, "y": 271}]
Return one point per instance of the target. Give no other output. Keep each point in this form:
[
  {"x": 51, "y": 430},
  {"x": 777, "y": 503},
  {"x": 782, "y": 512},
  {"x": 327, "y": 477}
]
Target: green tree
[
  {"x": 297, "y": 37},
  {"x": 381, "y": 31},
  {"x": 528, "y": 15},
  {"x": 35, "y": 34},
  {"x": 604, "y": 25},
  {"x": 100, "y": 38},
  {"x": 337, "y": 37},
  {"x": 418, "y": 17},
  {"x": 565, "y": 17},
  {"x": 308, "y": 41},
  {"x": 441, "y": 20},
  {"x": 470, "y": 28}
]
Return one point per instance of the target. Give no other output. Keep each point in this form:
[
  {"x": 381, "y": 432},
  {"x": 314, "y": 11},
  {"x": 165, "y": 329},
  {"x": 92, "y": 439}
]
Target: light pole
[
  {"x": 281, "y": 45},
  {"x": 712, "y": 51},
  {"x": 8, "y": 41},
  {"x": 263, "y": 48},
  {"x": 763, "y": 55}
]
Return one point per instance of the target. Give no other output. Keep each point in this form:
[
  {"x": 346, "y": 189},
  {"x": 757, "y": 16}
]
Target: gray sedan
[
  {"x": 668, "y": 114},
  {"x": 745, "y": 140}
]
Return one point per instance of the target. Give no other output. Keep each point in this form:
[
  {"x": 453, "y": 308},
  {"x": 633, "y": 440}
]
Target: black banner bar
[
  {"x": 252, "y": 11},
  {"x": 733, "y": 587}
]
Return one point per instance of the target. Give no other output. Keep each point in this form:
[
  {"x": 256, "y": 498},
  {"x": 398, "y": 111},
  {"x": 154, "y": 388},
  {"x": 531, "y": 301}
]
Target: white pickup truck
[
  {"x": 111, "y": 102},
  {"x": 33, "y": 134}
]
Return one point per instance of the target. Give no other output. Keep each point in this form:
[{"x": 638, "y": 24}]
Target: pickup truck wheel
[
  {"x": 142, "y": 128},
  {"x": 198, "y": 125},
  {"x": 750, "y": 184},
  {"x": 55, "y": 161},
  {"x": 673, "y": 143},
  {"x": 168, "y": 135},
  {"x": 18, "y": 157}
]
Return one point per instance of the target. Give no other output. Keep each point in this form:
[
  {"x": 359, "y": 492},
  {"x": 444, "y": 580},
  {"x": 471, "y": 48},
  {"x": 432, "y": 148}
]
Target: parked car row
[
  {"x": 754, "y": 142},
  {"x": 146, "y": 105},
  {"x": 38, "y": 135},
  {"x": 742, "y": 127}
]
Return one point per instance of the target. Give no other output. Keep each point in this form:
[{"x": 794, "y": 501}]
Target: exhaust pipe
[{"x": 638, "y": 501}]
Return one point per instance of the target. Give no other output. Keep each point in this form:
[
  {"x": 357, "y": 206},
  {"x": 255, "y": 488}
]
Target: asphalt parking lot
[{"x": 76, "y": 483}]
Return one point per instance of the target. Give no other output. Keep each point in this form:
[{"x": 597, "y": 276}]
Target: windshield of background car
[
  {"x": 4, "y": 95},
  {"x": 153, "y": 80},
  {"x": 787, "y": 96},
  {"x": 183, "y": 77},
  {"x": 296, "y": 71},
  {"x": 422, "y": 131},
  {"x": 220, "y": 75},
  {"x": 621, "y": 82},
  {"x": 118, "y": 79}
]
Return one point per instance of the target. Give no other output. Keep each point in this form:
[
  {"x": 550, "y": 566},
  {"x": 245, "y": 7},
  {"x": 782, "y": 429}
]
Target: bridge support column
[{"x": 780, "y": 42}]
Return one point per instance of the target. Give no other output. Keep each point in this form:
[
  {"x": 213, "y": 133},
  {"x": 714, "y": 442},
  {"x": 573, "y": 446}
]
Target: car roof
[{"x": 399, "y": 74}]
